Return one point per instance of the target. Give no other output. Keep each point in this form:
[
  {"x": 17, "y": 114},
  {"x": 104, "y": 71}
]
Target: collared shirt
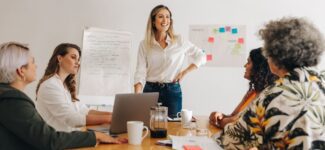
[
  {"x": 162, "y": 65},
  {"x": 56, "y": 108}
]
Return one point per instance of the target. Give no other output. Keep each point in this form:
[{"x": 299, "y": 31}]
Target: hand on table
[{"x": 104, "y": 138}]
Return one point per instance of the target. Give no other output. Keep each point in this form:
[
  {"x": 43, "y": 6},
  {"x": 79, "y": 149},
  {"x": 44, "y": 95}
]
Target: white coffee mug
[
  {"x": 134, "y": 129},
  {"x": 186, "y": 117}
]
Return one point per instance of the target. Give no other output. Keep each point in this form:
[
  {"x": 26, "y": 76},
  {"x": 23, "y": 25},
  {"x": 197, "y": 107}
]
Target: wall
[{"x": 43, "y": 24}]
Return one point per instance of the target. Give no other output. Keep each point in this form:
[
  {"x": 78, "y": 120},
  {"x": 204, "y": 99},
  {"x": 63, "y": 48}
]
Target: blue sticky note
[
  {"x": 234, "y": 31},
  {"x": 222, "y": 30}
]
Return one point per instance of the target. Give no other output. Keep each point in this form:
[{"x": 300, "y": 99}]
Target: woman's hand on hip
[{"x": 179, "y": 76}]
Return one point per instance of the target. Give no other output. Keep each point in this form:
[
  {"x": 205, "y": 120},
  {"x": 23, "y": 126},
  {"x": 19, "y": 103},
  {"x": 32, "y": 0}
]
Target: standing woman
[
  {"x": 57, "y": 100},
  {"x": 160, "y": 60}
]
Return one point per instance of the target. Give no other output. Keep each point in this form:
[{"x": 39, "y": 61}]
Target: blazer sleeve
[{"x": 21, "y": 118}]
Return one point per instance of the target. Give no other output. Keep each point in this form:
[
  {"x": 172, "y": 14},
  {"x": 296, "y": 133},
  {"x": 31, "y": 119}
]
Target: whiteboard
[
  {"x": 224, "y": 45},
  {"x": 105, "y": 64}
]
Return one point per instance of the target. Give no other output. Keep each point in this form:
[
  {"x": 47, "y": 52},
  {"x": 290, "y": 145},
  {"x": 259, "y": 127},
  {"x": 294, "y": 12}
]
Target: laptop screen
[{"x": 132, "y": 107}]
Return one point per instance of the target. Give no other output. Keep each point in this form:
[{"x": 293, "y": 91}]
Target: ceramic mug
[
  {"x": 186, "y": 117},
  {"x": 135, "y": 129}
]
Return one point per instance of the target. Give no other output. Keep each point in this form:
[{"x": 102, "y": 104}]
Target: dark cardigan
[{"x": 21, "y": 127}]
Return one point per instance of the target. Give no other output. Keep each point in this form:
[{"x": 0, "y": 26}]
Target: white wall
[{"x": 43, "y": 24}]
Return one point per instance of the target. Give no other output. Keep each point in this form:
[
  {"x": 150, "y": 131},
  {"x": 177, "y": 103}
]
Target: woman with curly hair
[
  {"x": 259, "y": 76},
  {"x": 290, "y": 113}
]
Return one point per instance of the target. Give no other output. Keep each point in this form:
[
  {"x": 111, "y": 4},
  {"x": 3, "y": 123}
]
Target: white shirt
[
  {"x": 162, "y": 65},
  {"x": 56, "y": 108}
]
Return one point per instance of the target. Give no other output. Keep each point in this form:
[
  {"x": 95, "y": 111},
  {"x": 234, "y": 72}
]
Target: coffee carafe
[{"x": 158, "y": 121}]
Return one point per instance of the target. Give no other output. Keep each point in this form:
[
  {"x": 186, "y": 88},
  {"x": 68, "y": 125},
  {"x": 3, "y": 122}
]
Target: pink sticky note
[
  {"x": 192, "y": 147},
  {"x": 211, "y": 39},
  {"x": 209, "y": 57},
  {"x": 228, "y": 28},
  {"x": 241, "y": 40}
]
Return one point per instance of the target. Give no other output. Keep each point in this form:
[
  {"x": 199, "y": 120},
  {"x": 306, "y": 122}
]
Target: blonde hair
[
  {"x": 151, "y": 30},
  {"x": 13, "y": 55}
]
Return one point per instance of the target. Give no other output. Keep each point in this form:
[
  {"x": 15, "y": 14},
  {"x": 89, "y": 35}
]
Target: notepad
[{"x": 202, "y": 141}]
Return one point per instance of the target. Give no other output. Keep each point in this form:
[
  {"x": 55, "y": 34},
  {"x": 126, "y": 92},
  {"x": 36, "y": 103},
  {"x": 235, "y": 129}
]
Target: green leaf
[{"x": 289, "y": 89}]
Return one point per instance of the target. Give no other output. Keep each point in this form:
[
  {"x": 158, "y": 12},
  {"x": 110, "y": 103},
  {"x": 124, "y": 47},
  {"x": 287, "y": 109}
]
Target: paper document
[
  {"x": 105, "y": 64},
  {"x": 201, "y": 141}
]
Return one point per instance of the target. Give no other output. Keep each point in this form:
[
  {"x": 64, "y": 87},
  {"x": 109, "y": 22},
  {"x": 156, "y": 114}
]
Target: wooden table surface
[{"x": 174, "y": 128}]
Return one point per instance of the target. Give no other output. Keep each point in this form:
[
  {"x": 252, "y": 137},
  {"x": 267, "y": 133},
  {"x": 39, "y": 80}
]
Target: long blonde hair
[{"x": 151, "y": 30}]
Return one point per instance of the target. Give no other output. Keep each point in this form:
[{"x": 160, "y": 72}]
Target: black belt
[{"x": 161, "y": 84}]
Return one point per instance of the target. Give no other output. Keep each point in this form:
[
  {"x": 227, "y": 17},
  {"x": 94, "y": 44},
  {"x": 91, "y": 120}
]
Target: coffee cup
[
  {"x": 135, "y": 129},
  {"x": 186, "y": 117}
]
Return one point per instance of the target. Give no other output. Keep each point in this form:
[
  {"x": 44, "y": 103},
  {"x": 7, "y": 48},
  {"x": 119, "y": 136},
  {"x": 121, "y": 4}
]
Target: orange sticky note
[
  {"x": 211, "y": 39},
  {"x": 192, "y": 147},
  {"x": 241, "y": 40},
  {"x": 209, "y": 57}
]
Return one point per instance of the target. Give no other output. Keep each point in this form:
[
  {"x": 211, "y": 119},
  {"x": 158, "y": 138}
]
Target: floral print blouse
[{"x": 290, "y": 114}]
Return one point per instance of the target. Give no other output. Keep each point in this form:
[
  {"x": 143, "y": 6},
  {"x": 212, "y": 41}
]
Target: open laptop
[{"x": 129, "y": 107}]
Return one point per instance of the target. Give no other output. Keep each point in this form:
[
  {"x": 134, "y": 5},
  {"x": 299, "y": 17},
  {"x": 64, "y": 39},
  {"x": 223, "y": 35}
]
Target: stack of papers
[{"x": 202, "y": 141}]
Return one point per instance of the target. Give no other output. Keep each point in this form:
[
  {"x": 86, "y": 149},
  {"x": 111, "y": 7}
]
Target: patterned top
[{"x": 287, "y": 115}]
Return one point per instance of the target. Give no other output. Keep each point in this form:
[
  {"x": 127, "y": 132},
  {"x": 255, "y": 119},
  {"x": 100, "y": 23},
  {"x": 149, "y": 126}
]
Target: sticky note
[
  {"x": 209, "y": 57},
  {"x": 228, "y": 28},
  {"x": 241, "y": 40},
  {"x": 192, "y": 147},
  {"x": 211, "y": 39},
  {"x": 234, "y": 31},
  {"x": 222, "y": 30}
]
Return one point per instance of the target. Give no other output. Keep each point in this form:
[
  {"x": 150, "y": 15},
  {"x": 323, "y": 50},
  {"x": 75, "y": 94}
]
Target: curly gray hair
[{"x": 292, "y": 43}]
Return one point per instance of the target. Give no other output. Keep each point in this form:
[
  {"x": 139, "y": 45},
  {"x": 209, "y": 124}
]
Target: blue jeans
[{"x": 170, "y": 95}]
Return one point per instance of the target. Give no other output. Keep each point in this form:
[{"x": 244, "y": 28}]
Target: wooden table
[{"x": 174, "y": 128}]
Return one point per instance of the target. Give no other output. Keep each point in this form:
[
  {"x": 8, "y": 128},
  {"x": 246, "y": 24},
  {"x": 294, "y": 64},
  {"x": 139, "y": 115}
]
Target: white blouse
[
  {"x": 162, "y": 65},
  {"x": 56, "y": 108}
]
